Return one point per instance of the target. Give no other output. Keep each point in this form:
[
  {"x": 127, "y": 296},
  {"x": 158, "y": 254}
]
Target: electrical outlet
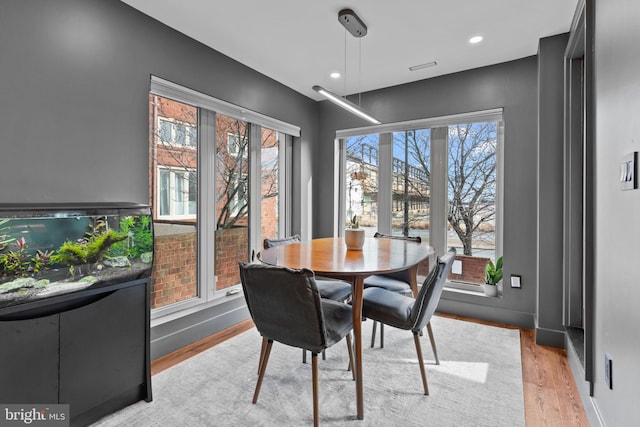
[
  {"x": 516, "y": 281},
  {"x": 608, "y": 370}
]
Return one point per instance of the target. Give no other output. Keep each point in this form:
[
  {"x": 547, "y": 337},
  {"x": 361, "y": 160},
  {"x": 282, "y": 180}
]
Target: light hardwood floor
[{"x": 551, "y": 398}]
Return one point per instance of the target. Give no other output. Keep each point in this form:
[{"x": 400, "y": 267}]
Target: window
[
  {"x": 361, "y": 178},
  {"x": 207, "y": 161},
  {"x": 177, "y": 194},
  {"x": 471, "y": 213},
  {"x": 232, "y": 168},
  {"x": 270, "y": 223},
  {"x": 434, "y": 178},
  {"x": 232, "y": 198},
  {"x": 239, "y": 199},
  {"x": 174, "y": 200},
  {"x": 411, "y": 185},
  {"x": 237, "y": 144},
  {"x": 471, "y": 178},
  {"x": 172, "y": 132}
]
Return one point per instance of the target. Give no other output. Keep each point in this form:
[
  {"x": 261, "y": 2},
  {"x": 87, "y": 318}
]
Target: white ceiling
[{"x": 299, "y": 43}]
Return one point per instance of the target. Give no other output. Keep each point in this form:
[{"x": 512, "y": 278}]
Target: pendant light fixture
[{"x": 357, "y": 28}]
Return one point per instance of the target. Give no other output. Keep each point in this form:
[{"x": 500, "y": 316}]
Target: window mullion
[
  {"x": 499, "y": 187},
  {"x": 285, "y": 184},
  {"x": 438, "y": 199},
  {"x": 385, "y": 177},
  {"x": 255, "y": 187},
  {"x": 206, "y": 203}
]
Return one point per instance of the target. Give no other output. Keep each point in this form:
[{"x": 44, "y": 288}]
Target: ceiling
[{"x": 299, "y": 43}]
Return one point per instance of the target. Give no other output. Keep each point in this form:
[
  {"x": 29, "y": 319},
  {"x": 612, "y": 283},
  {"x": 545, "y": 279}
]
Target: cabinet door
[
  {"x": 102, "y": 350},
  {"x": 29, "y": 360}
]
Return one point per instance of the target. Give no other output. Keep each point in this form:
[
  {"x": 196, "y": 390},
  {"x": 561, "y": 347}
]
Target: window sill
[
  {"x": 478, "y": 293},
  {"x": 190, "y": 307}
]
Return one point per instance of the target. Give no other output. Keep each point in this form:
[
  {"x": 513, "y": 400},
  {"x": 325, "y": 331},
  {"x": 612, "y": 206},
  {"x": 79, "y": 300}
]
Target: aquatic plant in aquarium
[
  {"x": 52, "y": 250},
  {"x": 139, "y": 240},
  {"x": 88, "y": 251}
]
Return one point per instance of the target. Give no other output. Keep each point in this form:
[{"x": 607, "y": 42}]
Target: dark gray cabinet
[
  {"x": 29, "y": 356},
  {"x": 89, "y": 349}
]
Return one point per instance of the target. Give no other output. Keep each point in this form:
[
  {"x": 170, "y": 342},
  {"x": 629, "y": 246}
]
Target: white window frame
[
  {"x": 439, "y": 168},
  {"x": 208, "y": 107},
  {"x": 285, "y": 168}
]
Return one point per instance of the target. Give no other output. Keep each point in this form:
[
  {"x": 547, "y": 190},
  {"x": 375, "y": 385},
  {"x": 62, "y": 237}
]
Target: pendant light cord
[
  {"x": 360, "y": 72},
  {"x": 344, "y": 90}
]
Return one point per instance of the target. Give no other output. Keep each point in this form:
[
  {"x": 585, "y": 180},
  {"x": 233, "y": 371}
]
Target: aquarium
[{"x": 48, "y": 250}]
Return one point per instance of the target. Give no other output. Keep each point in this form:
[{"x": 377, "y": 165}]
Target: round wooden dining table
[{"x": 329, "y": 257}]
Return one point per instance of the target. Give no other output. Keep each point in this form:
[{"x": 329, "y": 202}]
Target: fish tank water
[{"x": 55, "y": 249}]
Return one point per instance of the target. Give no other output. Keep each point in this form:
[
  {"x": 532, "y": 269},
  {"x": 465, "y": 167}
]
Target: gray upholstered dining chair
[
  {"x": 399, "y": 282},
  {"x": 286, "y": 307},
  {"x": 399, "y": 311},
  {"x": 337, "y": 290}
]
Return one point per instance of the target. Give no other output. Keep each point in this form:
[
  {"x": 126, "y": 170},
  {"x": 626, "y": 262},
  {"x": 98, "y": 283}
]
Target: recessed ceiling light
[
  {"x": 335, "y": 75},
  {"x": 475, "y": 39},
  {"x": 425, "y": 65}
]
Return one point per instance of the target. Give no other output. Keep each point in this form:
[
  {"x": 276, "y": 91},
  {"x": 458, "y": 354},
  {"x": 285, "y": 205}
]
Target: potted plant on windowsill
[
  {"x": 354, "y": 235},
  {"x": 492, "y": 276}
]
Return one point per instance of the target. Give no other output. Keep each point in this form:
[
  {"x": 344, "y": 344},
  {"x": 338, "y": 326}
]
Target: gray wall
[
  {"x": 617, "y": 288},
  {"x": 74, "y": 113},
  {"x": 74, "y": 97},
  {"x": 513, "y": 86}
]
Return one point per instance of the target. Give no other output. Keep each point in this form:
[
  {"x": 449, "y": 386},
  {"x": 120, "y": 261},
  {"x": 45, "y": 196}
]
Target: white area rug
[{"x": 478, "y": 383}]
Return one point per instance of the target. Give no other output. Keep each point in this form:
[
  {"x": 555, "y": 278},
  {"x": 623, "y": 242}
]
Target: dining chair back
[
  {"x": 286, "y": 307},
  {"x": 337, "y": 290},
  {"x": 416, "y": 239},
  {"x": 403, "y": 276},
  {"x": 399, "y": 281},
  {"x": 270, "y": 243},
  {"x": 413, "y": 314},
  {"x": 428, "y": 297}
]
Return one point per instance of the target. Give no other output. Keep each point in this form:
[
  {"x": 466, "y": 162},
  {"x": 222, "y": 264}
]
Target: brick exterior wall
[
  {"x": 174, "y": 275},
  {"x": 231, "y": 247},
  {"x": 269, "y": 220},
  {"x": 472, "y": 269}
]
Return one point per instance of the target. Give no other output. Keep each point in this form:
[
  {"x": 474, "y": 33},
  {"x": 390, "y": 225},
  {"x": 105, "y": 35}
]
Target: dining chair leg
[
  {"x": 262, "y": 348},
  {"x": 304, "y": 355},
  {"x": 433, "y": 343},
  {"x": 373, "y": 333},
  {"x": 350, "y": 350},
  {"x": 416, "y": 339},
  {"x": 429, "y": 330},
  {"x": 263, "y": 368},
  {"x": 314, "y": 380}
]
